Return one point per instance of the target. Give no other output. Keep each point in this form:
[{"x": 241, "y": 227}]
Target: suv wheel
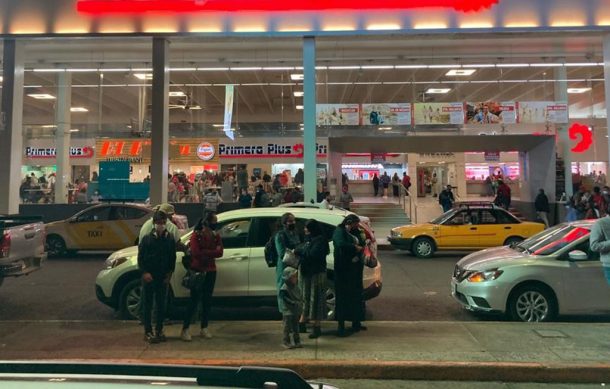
[
  {"x": 423, "y": 247},
  {"x": 130, "y": 300},
  {"x": 532, "y": 303}
]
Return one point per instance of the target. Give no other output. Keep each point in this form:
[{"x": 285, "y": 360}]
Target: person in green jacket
[{"x": 349, "y": 266}]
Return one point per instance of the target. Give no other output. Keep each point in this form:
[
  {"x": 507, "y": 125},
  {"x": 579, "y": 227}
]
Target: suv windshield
[{"x": 552, "y": 240}]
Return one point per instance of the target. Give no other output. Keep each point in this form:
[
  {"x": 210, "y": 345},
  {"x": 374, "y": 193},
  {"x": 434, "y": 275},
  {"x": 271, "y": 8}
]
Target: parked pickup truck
[{"x": 22, "y": 249}]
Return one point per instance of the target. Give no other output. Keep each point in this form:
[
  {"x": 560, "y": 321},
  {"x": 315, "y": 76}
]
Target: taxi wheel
[
  {"x": 56, "y": 246},
  {"x": 130, "y": 300},
  {"x": 423, "y": 247},
  {"x": 513, "y": 240},
  {"x": 532, "y": 303}
]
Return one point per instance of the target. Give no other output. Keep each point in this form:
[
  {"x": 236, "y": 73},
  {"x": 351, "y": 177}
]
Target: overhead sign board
[{"x": 190, "y": 6}]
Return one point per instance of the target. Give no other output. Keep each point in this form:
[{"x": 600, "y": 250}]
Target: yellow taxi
[
  {"x": 105, "y": 227},
  {"x": 467, "y": 227}
]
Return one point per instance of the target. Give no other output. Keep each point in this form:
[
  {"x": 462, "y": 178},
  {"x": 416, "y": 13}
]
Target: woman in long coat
[{"x": 349, "y": 265}]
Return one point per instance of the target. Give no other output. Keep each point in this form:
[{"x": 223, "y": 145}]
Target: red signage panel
[{"x": 189, "y": 6}]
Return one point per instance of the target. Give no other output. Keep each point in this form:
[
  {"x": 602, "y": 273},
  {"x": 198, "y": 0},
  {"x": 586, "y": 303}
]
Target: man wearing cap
[{"x": 171, "y": 228}]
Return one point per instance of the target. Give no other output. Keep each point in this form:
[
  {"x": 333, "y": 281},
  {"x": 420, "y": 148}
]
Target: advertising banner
[
  {"x": 492, "y": 156},
  {"x": 439, "y": 113},
  {"x": 229, "y": 96},
  {"x": 260, "y": 149},
  {"x": 338, "y": 114},
  {"x": 188, "y": 150},
  {"x": 541, "y": 112},
  {"x": 386, "y": 114},
  {"x": 491, "y": 112}
]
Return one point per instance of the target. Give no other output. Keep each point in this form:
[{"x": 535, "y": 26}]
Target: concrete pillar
[
  {"x": 460, "y": 176},
  {"x": 561, "y": 94},
  {"x": 537, "y": 167},
  {"x": 11, "y": 131},
  {"x": 62, "y": 136},
  {"x": 159, "y": 152},
  {"x": 607, "y": 85},
  {"x": 309, "y": 117},
  {"x": 335, "y": 163},
  {"x": 412, "y": 159}
]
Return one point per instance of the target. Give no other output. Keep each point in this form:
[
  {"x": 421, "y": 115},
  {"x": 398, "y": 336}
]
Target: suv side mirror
[{"x": 577, "y": 255}]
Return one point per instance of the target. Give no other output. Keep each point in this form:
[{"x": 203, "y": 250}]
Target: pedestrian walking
[
  {"x": 599, "y": 242},
  {"x": 446, "y": 199},
  {"x": 542, "y": 207},
  {"x": 346, "y": 199},
  {"x": 503, "y": 196},
  {"x": 395, "y": 185},
  {"x": 299, "y": 178},
  {"x": 349, "y": 266},
  {"x": 206, "y": 246},
  {"x": 406, "y": 181},
  {"x": 242, "y": 178},
  {"x": 375, "y": 184},
  {"x": 286, "y": 238},
  {"x": 245, "y": 199},
  {"x": 313, "y": 277},
  {"x": 212, "y": 200},
  {"x": 291, "y": 307},
  {"x": 156, "y": 262},
  {"x": 385, "y": 181},
  {"x": 600, "y": 201}
]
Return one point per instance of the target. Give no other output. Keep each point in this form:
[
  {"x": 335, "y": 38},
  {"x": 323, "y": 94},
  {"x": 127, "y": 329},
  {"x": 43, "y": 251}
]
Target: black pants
[
  {"x": 376, "y": 188},
  {"x": 395, "y": 189},
  {"x": 156, "y": 291},
  {"x": 202, "y": 293}
]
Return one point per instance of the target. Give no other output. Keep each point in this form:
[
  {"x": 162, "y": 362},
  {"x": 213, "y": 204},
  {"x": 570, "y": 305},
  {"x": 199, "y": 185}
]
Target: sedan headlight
[
  {"x": 483, "y": 276},
  {"x": 111, "y": 263},
  {"x": 395, "y": 234}
]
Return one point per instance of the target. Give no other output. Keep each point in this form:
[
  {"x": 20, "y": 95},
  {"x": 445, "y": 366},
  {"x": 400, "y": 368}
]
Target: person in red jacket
[{"x": 206, "y": 246}]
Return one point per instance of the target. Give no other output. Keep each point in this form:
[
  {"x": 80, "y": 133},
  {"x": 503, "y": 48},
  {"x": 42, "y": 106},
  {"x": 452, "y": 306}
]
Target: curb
[{"x": 411, "y": 370}]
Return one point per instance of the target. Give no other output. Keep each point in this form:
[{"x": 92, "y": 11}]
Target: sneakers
[
  {"x": 205, "y": 333},
  {"x": 161, "y": 336},
  {"x": 149, "y": 337},
  {"x": 185, "y": 335}
]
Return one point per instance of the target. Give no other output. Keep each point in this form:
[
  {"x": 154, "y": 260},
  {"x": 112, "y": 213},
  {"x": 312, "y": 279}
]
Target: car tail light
[
  {"x": 5, "y": 245},
  {"x": 367, "y": 231}
]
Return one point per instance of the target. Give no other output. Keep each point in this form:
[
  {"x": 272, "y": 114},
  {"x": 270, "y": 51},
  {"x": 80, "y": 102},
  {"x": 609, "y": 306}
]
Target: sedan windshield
[
  {"x": 552, "y": 240},
  {"x": 444, "y": 217}
]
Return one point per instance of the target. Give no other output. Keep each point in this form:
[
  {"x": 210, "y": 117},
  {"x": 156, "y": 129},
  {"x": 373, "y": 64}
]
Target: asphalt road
[{"x": 413, "y": 290}]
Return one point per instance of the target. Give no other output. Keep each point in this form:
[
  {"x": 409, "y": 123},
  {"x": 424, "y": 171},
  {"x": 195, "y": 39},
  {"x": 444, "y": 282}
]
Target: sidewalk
[{"x": 464, "y": 351}]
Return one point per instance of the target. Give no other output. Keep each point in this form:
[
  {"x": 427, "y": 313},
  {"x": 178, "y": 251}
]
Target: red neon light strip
[{"x": 189, "y": 6}]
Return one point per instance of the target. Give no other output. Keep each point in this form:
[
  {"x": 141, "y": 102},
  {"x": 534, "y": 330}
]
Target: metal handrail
[{"x": 410, "y": 207}]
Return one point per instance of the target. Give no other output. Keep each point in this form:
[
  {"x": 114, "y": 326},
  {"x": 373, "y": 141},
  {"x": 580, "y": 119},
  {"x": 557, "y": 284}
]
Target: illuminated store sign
[
  {"x": 189, "y": 6},
  {"x": 51, "y": 152},
  {"x": 584, "y": 135}
]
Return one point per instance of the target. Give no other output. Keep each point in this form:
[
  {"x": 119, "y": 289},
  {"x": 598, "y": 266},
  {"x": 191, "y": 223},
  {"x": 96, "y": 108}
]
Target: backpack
[{"x": 271, "y": 255}]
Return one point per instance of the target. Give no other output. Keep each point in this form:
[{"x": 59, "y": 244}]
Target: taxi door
[
  {"x": 88, "y": 231},
  {"x": 490, "y": 231},
  {"x": 458, "y": 232},
  {"x": 124, "y": 226}
]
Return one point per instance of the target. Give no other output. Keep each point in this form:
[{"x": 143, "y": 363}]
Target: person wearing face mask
[
  {"x": 349, "y": 266},
  {"x": 206, "y": 246},
  {"x": 156, "y": 261},
  {"x": 287, "y": 238}
]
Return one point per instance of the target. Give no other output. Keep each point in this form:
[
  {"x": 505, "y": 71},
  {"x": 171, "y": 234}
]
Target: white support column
[
  {"x": 335, "y": 163},
  {"x": 62, "y": 136},
  {"x": 159, "y": 158},
  {"x": 11, "y": 131},
  {"x": 607, "y": 84},
  {"x": 561, "y": 94},
  {"x": 309, "y": 118}
]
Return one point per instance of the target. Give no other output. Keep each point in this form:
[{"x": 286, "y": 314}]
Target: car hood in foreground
[
  {"x": 125, "y": 253},
  {"x": 490, "y": 258}
]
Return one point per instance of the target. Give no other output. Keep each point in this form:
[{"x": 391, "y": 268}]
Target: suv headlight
[
  {"x": 483, "y": 276},
  {"x": 111, "y": 263}
]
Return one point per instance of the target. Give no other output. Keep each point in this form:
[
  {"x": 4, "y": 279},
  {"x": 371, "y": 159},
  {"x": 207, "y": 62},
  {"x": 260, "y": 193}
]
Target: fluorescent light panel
[
  {"x": 42, "y": 96},
  {"x": 299, "y": 94},
  {"x": 143, "y": 76},
  {"x": 438, "y": 91},
  {"x": 177, "y": 94},
  {"x": 297, "y": 77},
  {"x": 79, "y": 109},
  {"x": 578, "y": 90},
  {"x": 460, "y": 72}
]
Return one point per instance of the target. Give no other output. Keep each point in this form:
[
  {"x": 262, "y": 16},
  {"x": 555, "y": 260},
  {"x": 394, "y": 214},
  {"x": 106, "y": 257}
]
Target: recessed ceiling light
[
  {"x": 48, "y": 126},
  {"x": 196, "y": 107},
  {"x": 578, "y": 90},
  {"x": 74, "y": 130},
  {"x": 218, "y": 125},
  {"x": 297, "y": 77},
  {"x": 176, "y": 94},
  {"x": 79, "y": 109},
  {"x": 439, "y": 91},
  {"x": 299, "y": 94},
  {"x": 385, "y": 128},
  {"x": 300, "y": 107},
  {"x": 42, "y": 96},
  {"x": 144, "y": 76},
  {"x": 460, "y": 72}
]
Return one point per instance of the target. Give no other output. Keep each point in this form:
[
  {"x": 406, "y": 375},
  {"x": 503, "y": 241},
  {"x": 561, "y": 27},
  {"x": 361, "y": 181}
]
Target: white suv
[{"x": 243, "y": 274}]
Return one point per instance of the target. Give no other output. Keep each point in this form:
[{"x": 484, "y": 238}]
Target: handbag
[
  {"x": 192, "y": 279},
  {"x": 370, "y": 260},
  {"x": 291, "y": 259}
]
